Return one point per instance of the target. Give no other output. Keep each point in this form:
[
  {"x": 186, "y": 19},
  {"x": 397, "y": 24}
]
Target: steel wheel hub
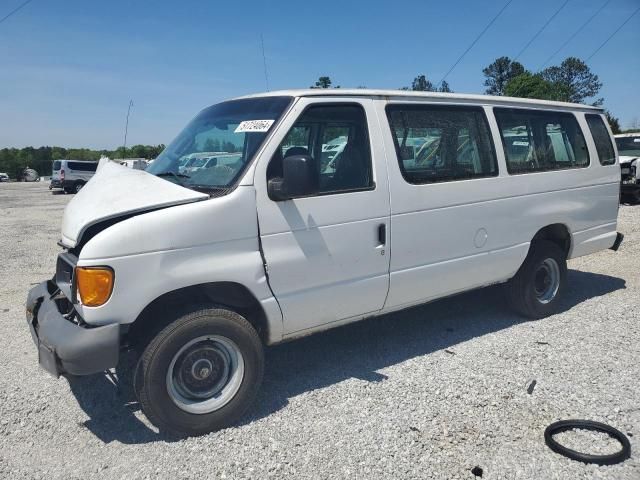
[
  {"x": 205, "y": 374},
  {"x": 547, "y": 280}
]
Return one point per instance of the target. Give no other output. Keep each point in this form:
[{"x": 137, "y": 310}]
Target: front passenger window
[{"x": 336, "y": 138}]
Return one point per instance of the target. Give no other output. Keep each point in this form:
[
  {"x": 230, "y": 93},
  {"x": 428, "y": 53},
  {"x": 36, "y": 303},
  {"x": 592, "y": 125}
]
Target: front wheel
[
  {"x": 537, "y": 287},
  {"x": 201, "y": 372}
]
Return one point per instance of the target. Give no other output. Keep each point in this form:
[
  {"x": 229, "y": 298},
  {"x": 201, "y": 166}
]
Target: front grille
[{"x": 65, "y": 267}]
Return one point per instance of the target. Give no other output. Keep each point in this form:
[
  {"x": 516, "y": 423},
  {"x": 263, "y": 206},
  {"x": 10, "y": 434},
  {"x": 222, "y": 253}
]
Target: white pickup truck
[{"x": 629, "y": 152}]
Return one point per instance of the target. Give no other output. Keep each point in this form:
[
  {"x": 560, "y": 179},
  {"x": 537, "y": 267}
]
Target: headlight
[{"x": 94, "y": 284}]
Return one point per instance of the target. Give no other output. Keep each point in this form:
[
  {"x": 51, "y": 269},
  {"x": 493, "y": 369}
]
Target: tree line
[
  {"x": 571, "y": 81},
  {"x": 14, "y": 160}
]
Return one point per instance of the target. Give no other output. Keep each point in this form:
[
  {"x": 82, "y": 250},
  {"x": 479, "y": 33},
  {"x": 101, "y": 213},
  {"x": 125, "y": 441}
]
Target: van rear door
[{"x": 55, "y": 170}]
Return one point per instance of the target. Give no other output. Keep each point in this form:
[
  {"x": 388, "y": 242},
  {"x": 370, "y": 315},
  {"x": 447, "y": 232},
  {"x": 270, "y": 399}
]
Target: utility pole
[{"x": 126, "y": 129}]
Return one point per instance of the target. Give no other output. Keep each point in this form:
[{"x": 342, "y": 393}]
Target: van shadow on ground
[{"x": 358, "y": 350}]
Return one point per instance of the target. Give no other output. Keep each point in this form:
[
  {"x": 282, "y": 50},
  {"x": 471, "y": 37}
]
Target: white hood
[{"x": 116, "y": 190}]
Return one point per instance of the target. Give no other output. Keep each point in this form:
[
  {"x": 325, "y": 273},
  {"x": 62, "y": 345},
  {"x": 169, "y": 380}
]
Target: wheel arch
[
  {"x": 164, "y": 309},
  {"x": 557, "y": 233}
]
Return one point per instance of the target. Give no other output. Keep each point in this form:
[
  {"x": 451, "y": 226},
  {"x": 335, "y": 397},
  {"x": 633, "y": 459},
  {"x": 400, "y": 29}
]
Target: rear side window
[
  {"x": 601, "y": 138},
  {"x": 56, "y": 165},
  {"x": 337, "y": 139},
  {"x": 538, "y": 141},
  {"x": 83, "y": 166},
  {"x": 437, "y": 143}
]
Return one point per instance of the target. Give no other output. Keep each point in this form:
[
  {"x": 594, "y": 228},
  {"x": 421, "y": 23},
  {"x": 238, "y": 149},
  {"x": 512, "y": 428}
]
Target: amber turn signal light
[{"x": 95, "y": 285}]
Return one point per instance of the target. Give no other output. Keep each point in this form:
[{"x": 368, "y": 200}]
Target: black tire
[
  {"x": 77, "y": 187},
  {"x": 152, "y": 383},
  {"x": 524, "y": 289},
  {"x": 566, "y": 425},
  {"x": 137, "y": 379}
]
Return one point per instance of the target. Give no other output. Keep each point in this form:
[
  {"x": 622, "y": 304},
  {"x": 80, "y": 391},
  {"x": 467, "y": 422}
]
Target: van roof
[{"x": 431, "y": 96}]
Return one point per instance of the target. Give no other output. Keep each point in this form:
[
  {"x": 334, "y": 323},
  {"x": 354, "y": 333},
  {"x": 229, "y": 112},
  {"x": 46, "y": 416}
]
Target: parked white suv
[
  {"x": 430, "y": 195},
  {"x": 71, "y": 175}
]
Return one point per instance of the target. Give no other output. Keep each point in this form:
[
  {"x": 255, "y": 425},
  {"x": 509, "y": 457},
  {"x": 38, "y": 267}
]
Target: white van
[
  {"x": 199, "y": 271},
  {"x": 71, "y": 175}
]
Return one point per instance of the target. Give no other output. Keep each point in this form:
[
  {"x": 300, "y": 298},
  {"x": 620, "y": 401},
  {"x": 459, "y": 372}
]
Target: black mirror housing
[
  {"x": 299, "y": 179},
  {"x": 277, "y": 190}
]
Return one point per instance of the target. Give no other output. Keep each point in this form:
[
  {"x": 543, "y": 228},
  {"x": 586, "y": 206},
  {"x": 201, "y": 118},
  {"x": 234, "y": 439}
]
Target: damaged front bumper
[{"x": 64, "y": 346}]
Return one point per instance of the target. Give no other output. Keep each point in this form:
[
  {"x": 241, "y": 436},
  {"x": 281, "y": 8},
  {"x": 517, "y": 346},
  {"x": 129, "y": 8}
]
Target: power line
[
  {"x": 474, "y": 42},
  {"x": 264, "y": 61},
  {"x": 541, "y": 30},
  {"x": 611, "y": 36},
  {"x": 574, "y": 34},
  {"x": 15, "y": 10}
]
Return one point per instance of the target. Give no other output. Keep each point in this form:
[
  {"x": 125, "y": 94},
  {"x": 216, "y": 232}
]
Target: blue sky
[{"x": 69, "y": 67}]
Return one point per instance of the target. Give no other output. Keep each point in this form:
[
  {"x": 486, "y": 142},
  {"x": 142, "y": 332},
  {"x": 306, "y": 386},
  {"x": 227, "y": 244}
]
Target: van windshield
[{"x": 229, "y": 132}]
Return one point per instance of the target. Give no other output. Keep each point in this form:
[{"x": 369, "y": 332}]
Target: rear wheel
[
  {"x": 535, "y": 290},
  {"x": 200, "y": 373},
  {"x": 77, "y": 186}
]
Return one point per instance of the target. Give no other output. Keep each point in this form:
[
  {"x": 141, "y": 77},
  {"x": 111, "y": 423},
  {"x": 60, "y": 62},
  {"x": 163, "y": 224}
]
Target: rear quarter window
[{"x": 602, "y": 139}]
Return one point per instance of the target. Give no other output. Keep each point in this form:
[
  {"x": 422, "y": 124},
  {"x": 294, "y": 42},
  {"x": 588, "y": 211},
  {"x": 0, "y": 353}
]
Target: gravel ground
[{"x": 427, "y": 393}]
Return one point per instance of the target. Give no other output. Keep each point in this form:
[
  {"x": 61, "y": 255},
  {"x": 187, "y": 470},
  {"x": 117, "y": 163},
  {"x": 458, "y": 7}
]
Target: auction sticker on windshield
[{"x": 254, "y": 126}]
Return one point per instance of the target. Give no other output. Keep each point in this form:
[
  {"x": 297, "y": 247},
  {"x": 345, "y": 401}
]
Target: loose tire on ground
[
  {"x": 188, "y": 360},
  {"x": 536, "y": 289}
]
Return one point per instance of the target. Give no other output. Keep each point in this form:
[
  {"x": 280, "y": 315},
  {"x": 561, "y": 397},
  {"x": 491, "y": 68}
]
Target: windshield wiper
[
  {"x": 213, "y": 191},
  {"x": 175, "y": 175}
]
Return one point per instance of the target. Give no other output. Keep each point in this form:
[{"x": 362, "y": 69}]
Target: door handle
[{"x": 382, "y": 234}]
